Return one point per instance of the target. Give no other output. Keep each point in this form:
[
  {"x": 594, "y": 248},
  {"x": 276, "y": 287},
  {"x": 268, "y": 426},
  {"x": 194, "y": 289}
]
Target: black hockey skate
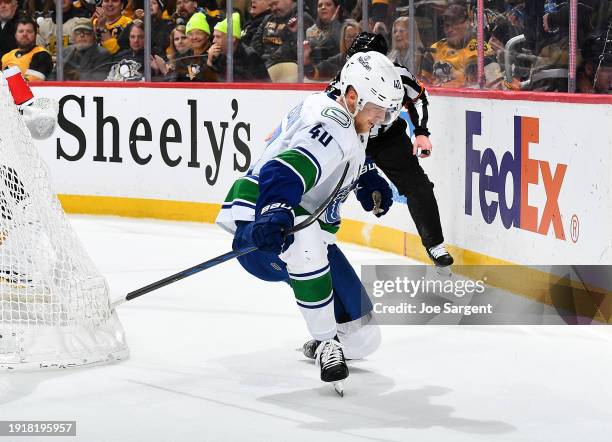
[
  {"x": 440, "y": 256},
  {"x": 330, "y": 357}
]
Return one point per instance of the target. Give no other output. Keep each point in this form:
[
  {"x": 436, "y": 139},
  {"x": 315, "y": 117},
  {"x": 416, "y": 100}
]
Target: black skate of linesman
[{"x": 392, "y": 151}]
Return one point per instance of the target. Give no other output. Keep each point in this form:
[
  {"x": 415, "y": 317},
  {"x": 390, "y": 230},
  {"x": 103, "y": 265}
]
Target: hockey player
[
  {"x": 298, "y": 170},
  {"x": 393, "y": 152}
]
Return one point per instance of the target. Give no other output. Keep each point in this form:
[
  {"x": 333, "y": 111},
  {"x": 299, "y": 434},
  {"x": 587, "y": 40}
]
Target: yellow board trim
[
  {"x": 140, "y": 208},
  {"x": 528, "y": 282}
]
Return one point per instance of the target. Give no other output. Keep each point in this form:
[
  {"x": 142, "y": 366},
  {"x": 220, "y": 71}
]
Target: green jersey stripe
[
  {"x": 312, "y": 290},
  {"x": 302, "y": 165},
  {"x": 243, "y": 189}
]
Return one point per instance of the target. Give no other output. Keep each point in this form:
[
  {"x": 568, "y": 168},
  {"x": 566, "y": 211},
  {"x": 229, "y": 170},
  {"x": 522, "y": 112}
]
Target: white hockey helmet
[{"x": 376, "y": 81}]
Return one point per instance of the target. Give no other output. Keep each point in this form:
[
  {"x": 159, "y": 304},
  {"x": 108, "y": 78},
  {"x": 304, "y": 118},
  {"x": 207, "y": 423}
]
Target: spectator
[
  {"x": 193, "y": 66},
  {"x": 109, "y": 23},
  {"x": 379, "y": 11},
  {"x": 47, "y": 28},
  {"x": 247, "y": 64},
  {"x": 161, "y": 28},
  {"x": 186, "y": 8},
  {"x": 179, "y": 45},
  {"x": 595, "y": 73},
  {"x": 400, "y": 44},
  {"x": 258, "y": 11},
  {"x": 549, "y": 72},
  {"x": 501, "y": 29},
  {"x": 380, "y": 14},
  {"x": 557, "y": 20},
  {"x": 275, "y": 40},
  {"x": 327, "y": 69},
  {"x": 33, "y": 61},
  {"x": 84, "y": 59},
  {"x": 324, "y": 35},
  {"x": 8, "y": 19},
  {"x": 453, "y": 61},
  {"x": 129, "y": 63},
  {"x": 35, "y": 8}
]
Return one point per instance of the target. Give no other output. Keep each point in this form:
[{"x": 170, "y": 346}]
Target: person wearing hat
[
  {"x": 248, "y": 66},
  {"x": 453, "y": 61},
  {"x": 193, "y": 66},
  {"x": 84, "y": 59}
]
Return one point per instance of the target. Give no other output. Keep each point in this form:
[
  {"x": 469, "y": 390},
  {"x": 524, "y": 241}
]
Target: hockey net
[{"x": 55, "y": 308}]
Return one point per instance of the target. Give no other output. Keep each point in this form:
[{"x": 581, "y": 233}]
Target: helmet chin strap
[{"x": 345, "y": 105}]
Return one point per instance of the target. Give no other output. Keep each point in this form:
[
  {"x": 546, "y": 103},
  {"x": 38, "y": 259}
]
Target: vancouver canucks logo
[
  {"x": 338, "y": 115},
  {"x": 332, "y": 213}
]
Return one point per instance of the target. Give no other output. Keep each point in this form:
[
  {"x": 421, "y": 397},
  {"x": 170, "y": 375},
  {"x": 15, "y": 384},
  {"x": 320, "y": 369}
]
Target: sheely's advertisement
[{"x": 172, "y": 144}]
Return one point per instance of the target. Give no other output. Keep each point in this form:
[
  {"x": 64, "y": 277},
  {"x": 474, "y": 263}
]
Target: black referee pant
[{"x": 392, "y": 153}]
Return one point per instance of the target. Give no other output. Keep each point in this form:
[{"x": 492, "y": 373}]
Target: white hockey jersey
[{"x": 314, "y": 142}]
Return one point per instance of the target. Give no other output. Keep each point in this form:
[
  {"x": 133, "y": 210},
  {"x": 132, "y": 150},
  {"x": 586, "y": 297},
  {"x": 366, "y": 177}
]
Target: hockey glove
[
  {"x": 268, "y": 231},
  {"x": 373, "y": 191}
]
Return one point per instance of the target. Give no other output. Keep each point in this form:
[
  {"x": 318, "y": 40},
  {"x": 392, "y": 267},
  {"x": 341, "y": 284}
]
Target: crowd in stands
[{"x": 526, "y": 43}]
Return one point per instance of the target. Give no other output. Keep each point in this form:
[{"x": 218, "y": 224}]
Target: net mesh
[{"x": 54, "y": 305}]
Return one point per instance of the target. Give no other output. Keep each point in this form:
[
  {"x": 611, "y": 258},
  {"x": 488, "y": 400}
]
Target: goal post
[{"x": 55, "y": 308}]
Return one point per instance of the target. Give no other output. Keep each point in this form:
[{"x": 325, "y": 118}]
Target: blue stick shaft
[
  {"x": 234, "y": 253},
  {"x": 190, "y": 271}
]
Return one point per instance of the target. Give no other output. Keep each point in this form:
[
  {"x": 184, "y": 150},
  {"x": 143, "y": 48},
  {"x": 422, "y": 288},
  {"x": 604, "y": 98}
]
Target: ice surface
[{"x": 213, "y": 358}]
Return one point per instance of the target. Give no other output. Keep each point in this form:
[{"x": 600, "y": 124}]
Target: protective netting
[{"x": 54, "y": 305}]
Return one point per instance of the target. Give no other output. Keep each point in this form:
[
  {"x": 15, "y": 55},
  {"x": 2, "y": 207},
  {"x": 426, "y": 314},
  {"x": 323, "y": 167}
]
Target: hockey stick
[{"x": 234, "y": 253}]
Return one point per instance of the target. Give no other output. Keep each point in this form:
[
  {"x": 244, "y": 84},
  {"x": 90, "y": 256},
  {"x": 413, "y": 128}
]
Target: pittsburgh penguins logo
[
  {"x": 193, "y": 70},
  {"x": 443, "y": 72}
]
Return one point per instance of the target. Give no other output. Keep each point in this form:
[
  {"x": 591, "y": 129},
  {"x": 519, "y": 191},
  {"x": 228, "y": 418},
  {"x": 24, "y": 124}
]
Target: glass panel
[
  {"x": 594, "y": 40},
  {"x": 526, "y": 43},
  {"x": 335, "y": 27},
  {"x": 450, "y": 46}
]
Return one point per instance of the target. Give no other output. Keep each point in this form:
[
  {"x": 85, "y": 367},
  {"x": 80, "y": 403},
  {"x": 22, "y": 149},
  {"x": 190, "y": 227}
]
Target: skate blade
[
  {"x": 339, "y": 387},
  {"x": 444, "y": 271}
]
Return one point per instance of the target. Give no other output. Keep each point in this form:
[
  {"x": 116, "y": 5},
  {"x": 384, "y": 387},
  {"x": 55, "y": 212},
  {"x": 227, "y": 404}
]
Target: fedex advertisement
[
  {"x": 524, "y": 182},
  {"x": 522, "y": 170}
]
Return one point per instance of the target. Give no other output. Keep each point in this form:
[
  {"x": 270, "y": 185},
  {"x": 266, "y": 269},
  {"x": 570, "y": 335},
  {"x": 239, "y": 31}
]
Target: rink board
[{"x": 518, "y": 180}]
